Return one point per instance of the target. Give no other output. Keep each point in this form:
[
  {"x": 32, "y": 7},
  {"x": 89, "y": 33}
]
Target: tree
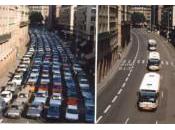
[
  {"x": 137, "y": 18},
  {"x": 36, "y": 17}
]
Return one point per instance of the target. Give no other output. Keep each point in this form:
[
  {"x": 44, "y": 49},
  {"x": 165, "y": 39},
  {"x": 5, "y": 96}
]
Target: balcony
[{"x": 4, "y": 38}]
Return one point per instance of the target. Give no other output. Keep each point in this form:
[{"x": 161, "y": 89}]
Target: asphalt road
[{"x": 117, "y": 103}]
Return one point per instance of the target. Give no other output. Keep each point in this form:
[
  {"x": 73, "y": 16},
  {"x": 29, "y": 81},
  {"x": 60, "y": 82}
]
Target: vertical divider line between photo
[{"x": 96, "y": 49}]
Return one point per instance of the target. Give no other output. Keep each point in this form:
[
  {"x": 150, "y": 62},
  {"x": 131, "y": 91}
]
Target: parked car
[
  {"x": 12, "y": 87},
  {"x": 15, "y": 110},
  {"x": 56, "y": 99},
  {"x": 89, "y": 114},
  {"x": 7, "y": 96},
  {"x": 18, "y": 79},
  {"x": 34, "y": 111},
  {"x": 53, "y": 112},
  {"x": 72, "y": 113}
]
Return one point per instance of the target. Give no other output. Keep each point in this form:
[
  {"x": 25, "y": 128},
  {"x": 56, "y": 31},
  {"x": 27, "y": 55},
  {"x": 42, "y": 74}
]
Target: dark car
[
  {"x": 89, "y": 115},
  {"x": 53, "y": 112}
]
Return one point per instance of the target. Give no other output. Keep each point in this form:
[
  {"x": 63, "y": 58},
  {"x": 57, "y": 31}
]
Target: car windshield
[
  {"x": 4, "y": 95},
  {"x": 147, "y": 96},
  {"x": 54, "y": 109},
  {"x": 56, "y": 97}
]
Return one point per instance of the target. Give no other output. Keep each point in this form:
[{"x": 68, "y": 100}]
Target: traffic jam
[{"x": 49, "y": 84}]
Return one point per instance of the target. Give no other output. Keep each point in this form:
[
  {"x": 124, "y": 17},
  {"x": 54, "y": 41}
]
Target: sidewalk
[{"x": 103, "y": 84}]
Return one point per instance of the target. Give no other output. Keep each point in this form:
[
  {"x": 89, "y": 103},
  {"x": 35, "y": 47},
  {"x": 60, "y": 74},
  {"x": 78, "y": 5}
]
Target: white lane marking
[
  {"x": 126, "y": 79},
  {"x": 126, "y": 121},
  {"x": 129, "y": 74},
  {"x": 99, "y": 119},
  {"x": 162, "y": 62},
  {"x": 114, "y": 99},
  {"x": 107, "y": 108},
  {"x": 124, "y": 84},
  {"x": 166, "y": 62},
  {"x": 137, "y": 46},
  {"x": 143, "y": 61},
  {"x": 156, "y": 122},
  {"x": 120, "y": 91},
  {"x": 162, "y": 94},
  {"x": 131, "y": 71}
]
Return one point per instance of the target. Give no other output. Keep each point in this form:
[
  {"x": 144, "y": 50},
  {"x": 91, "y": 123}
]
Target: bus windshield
[
  {"x": 153, "y": 61},
  {"x": 147, "y": 96}
]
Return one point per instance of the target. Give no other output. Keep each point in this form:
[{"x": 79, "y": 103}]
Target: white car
[
  {"x": 17, "y": 79},
  {"x": 72, "y": 113},
  {"x": 6, "y": 96}
]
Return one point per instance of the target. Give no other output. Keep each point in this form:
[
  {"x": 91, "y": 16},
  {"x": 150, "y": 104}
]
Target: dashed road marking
[
  {"x": 126, "y": 121},
  {"x": 107, "y": 108},
  {"x": 120, "y": 91},
  {"x": 162, "y": 62},
  {"x": 167, "y": 63},
  {"x": 124, "y": 84},
  {"x": 126, "y": 79},
  {"x": 129, "y": 74},
  {"x": 114, "y": 99},
  {"x": 99, "y": 119},
  {"x": 162, "y": 94}
]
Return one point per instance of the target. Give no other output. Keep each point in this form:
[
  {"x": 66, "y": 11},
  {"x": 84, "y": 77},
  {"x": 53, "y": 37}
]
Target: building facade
[
  {"x": 66, "y": 17},
  {"x": 113, "y": 29},
  {"x": 13, "y": 34}
]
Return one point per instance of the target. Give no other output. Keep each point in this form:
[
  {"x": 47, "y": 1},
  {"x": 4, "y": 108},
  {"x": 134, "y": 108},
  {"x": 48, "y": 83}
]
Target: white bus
[
  {"x": 152, "y": 45},
  {"x": 149, "y": 91},
  {"x": 153, "y": 61}
]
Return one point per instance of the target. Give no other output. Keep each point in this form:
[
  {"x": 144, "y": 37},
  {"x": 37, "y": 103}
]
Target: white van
[{"x": 149, "y": 91}]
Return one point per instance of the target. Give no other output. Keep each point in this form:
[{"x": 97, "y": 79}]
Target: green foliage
[{"x": 137, "y": 17}]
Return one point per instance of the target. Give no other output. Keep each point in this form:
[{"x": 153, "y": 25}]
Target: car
[
  {"x": 2, "y": 107},
  {"x": 40, "y": 97},
  {"x": 23, "y": 97},
  {"x": 18, "y": 79},
  {"x": 56, "y": 99},
  {"x": 72, "y": 113},
  {"x": 84, "y": 84},
  {"x": 12, "y": 87},
  {"x": 89, "y": 102},
  {"x": 45, "y": 80},
  {"x": 34, "y": 111},
  {"x": 57, "y": 81},
  {"x": 53, "y": 112},
  {"x": 89, "y": 114},
  {"x": 7, "y": 96},
  {"x": 32, "y": 79},
  {"x": 15, "y": 110}
]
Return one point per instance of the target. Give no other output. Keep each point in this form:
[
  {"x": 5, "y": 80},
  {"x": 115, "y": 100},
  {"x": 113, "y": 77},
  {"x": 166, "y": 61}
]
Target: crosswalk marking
[
  {"x": 127, "y": 64},
  {"x": 162, "y": 62},
  {"x": 143, "y": 61},
  {"x": 166, "y": 62}
]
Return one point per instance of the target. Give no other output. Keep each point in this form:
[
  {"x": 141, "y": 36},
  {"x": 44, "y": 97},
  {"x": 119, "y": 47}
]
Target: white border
[{"x": 87, "y": 2}]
